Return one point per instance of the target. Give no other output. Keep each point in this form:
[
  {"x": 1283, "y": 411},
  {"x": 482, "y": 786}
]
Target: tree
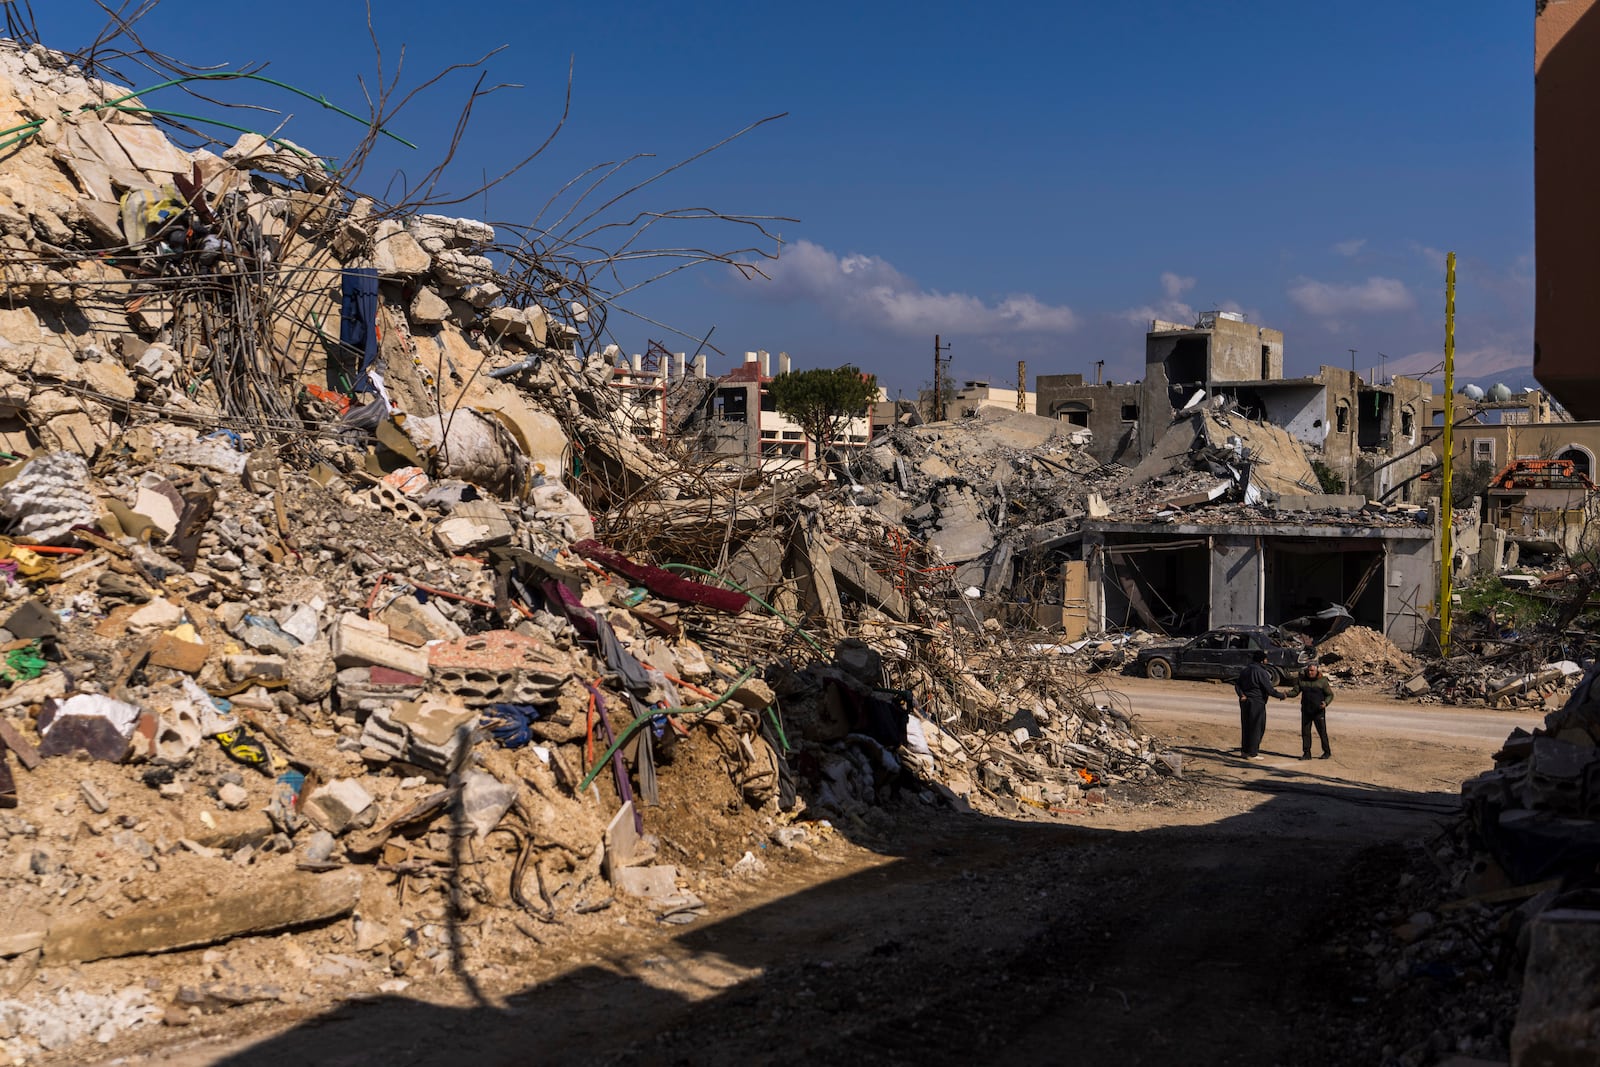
[{"x": 823, "y": 402}]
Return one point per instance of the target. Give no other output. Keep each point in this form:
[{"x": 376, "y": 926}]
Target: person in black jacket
[
  {"x": 1315, "y": 695},
  {"x": 1255, "y": 687}
]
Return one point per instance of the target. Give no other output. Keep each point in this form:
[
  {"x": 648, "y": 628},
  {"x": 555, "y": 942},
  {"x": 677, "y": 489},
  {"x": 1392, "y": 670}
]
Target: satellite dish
[
  {"x": 1472, "y": 392},
  {"x": 1500, "y": 392}
]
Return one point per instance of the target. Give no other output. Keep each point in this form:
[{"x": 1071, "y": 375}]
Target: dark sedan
[{"x": 1223, "y": 653}]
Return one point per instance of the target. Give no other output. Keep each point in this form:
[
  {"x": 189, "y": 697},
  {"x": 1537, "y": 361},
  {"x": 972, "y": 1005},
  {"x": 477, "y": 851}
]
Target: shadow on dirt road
[{"x": 983, "y": 941}]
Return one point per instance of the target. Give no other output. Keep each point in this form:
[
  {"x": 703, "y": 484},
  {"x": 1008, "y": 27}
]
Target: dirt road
[{"x": 1180, "y": 933}]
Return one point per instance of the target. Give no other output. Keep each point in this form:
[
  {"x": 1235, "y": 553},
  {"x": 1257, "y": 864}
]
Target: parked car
[{"x": 1223, "y": 653}]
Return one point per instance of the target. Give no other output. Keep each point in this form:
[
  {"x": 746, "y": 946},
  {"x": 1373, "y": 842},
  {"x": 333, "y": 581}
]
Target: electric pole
[
  {"x": 1447, "y": 513},
  {"x": 1022, "y": 385},
  {"x": 940, "y": 360}
]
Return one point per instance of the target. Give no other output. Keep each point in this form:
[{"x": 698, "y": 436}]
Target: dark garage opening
[
  {"x": 1173, "y": 581},
  {"x": 1304, "y": 576}
]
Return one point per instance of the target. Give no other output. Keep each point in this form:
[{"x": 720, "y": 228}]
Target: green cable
[
  {"x": 223, "y": 75},
  {"x": 777, "y": 727},
  {"x": 218, "y": 122},
  {"x": 637, "y": 724},
  {"x": 796, "y": 627}
]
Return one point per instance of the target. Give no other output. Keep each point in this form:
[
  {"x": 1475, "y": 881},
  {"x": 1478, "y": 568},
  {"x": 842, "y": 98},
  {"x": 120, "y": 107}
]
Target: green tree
[
  {"x": 823, "y": 402},
  {"x": 1471, "y": 483},
  {"x": 1330, "y": 481}
]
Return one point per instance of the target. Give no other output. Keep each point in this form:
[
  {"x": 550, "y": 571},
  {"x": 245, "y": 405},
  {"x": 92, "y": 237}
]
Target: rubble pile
[
  {"x": 1429, "y": 955},
  {"x": 982, "y": 489},
  {"x": 1360, "y": 653},
  {"x": 337, "y": 597},
  {"x": 1486, "y": 945}
]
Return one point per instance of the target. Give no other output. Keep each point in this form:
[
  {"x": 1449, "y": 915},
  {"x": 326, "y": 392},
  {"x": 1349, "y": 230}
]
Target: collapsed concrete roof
[{"x": 1265, "y": 460}]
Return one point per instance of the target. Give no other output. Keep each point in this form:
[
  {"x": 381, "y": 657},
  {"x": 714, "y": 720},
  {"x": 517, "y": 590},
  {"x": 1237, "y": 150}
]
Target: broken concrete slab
[
  {"x": 396, "y": 254},
  {"x": 866, "y": 584},
  {"x": 275, "y": 900},
  {"x": 473, "y": 526},
  {"x": 652, "y": 883},
  {"x": 359, "y": 642}
]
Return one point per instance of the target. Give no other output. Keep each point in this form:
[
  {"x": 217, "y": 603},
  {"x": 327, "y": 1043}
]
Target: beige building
[
  {"x": 974, "y": 395},
  {"x": 736, "y": 417},
  {"x": 1489, "y": 435}
]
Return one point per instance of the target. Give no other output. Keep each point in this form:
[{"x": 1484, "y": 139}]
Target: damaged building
[
  {"x": 736, "y": 419},
  {"x": 1364, "y": 430},
  {"x": 1224, "y": 523}
]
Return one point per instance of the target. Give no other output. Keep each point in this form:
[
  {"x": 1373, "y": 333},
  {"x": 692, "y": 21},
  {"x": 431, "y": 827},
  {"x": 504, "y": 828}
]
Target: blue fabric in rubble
[
  {"x": 358, "y": 322},
  {"x": 509, "y": 724}
]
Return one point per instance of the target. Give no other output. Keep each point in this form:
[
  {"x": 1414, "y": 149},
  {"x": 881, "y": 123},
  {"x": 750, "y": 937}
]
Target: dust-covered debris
[{"x": 340, "y": 598}]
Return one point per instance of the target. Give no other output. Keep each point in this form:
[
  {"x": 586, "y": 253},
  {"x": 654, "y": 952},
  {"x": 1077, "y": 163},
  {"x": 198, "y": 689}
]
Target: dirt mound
[{"x": 1362, "y": 652}]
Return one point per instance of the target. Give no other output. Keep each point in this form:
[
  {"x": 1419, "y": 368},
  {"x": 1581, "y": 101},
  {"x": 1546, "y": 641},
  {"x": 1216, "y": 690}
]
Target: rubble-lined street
[
  {"x": 394, "y": 668},
  {"x": 1198, "y": 928}
]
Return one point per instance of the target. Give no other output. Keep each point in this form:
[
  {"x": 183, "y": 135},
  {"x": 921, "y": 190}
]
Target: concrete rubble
[
  {"x": 318, "y": 648},
  {"x": 340, "y": 645}
]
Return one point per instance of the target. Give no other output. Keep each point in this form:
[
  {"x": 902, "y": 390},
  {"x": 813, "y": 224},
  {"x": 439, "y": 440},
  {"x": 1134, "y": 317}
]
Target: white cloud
[
  {"x": 1432, "y": 256},
  {"x": 1170, "y": 309},
  {"x": 1351, "y": 247},
  {"x": 1175, "y": 285},
  {"x": 1331, "y": 299},
  {"x": 869, "y": 290}
]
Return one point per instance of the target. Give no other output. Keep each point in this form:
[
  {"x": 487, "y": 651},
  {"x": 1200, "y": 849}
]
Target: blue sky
[{"x": 1029, "y": 181}]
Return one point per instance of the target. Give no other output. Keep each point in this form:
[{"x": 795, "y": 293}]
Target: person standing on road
[
  {"x": 1315, "y": 696},
  {"x": 1254, "y": 686}
]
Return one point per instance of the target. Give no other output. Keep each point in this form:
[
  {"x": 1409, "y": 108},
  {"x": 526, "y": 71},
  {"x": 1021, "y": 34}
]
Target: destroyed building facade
[
  {"x": 976, "y": 394},
  {"x": 1224, "y": 523},
  {"x": 1531, "y": 469},
  {"x": 1109, "y": 411},
  {"x": 1365, "y": 431}
]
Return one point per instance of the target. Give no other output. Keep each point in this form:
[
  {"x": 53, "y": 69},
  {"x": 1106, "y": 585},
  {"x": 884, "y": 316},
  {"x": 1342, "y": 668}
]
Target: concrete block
[
  {"x": 267, "y": 668},
  {"x": 396, "y": 253},
  {"x": 652, "y": 883},
  {"x": 431, "y": 721},
  {"x": 461, "y": 270},
  {"x": 428, "y": 308},
  {"x": 233, "y": 797},
  {"x": 173, "y": 652},
  {"x": 159, "y": 614},
  {"x": 1417, "y": 685},
  {"x": 359, "y": 642},
  {"x": 507, "y": 322},
  {"x": 338, "y": 805},
  {"x": 472, "y": 527},
  {"x": 1558, "y": 1020}
]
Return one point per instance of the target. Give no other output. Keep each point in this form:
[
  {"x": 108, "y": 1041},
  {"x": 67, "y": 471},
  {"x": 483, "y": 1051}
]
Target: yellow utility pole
[{"x": 1446, "y": 509}]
